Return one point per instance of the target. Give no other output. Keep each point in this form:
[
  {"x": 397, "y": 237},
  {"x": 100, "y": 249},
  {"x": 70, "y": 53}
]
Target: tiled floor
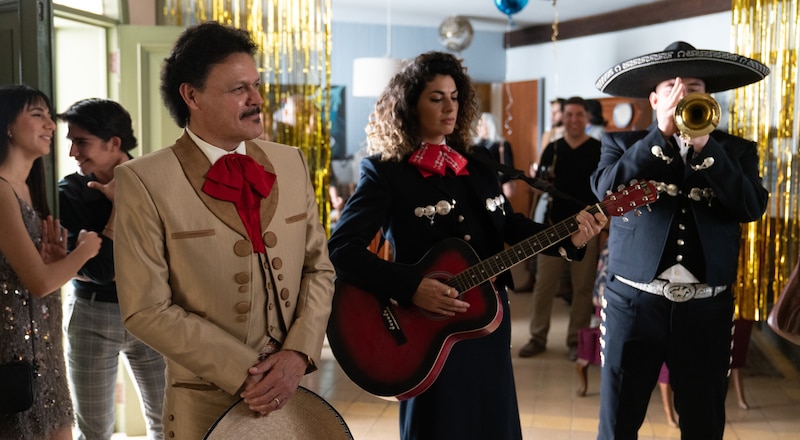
[{"x": 550, "y": 410}]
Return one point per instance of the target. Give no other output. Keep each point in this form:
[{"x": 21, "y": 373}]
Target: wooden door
[{"x": 520, "y": 126}]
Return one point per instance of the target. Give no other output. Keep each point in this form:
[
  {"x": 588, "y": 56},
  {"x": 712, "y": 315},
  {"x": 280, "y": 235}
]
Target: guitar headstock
[{"x": 638, "y": 194}]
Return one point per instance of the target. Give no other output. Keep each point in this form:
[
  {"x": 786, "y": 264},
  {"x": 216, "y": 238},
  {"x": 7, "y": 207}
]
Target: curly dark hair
[
  {"x": 394, "y": 126},
  {"x": 103, "y": 118},
  {"x": 197, "y": 49}
]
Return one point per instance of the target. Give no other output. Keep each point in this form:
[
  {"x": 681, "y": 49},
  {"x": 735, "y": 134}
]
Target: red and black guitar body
[{"x": 397, "y": 351}]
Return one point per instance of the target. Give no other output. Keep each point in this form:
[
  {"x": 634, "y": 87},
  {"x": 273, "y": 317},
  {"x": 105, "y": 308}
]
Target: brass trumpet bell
[{"x": 697, "y": 114}]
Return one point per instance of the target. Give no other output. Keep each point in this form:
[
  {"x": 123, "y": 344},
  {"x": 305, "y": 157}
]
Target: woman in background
[
  {"x": 34, "y": 264},
  {"x": 597, "y": 123},
  {"x": 487, "y": 137}
]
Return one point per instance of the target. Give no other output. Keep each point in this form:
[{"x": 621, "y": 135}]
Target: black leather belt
[{"x": 97, "y": 296}]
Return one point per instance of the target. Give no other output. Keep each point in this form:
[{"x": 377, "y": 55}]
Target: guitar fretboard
[
  {"x": 638, "y": 194},
  {"x": 505, "y": 260}
]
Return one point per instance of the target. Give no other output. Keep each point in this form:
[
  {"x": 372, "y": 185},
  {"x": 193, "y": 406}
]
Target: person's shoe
[
  {"x": 573, "y": 354},
  {"x": 532, "y": 348}
]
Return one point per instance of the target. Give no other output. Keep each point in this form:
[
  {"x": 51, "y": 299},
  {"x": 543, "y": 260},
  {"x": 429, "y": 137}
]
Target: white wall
[{"x": 571, "y": 67}]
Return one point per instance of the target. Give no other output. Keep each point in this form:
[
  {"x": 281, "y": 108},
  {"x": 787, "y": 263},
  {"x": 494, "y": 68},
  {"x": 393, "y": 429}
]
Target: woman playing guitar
[{"x": 422, "y": 189}]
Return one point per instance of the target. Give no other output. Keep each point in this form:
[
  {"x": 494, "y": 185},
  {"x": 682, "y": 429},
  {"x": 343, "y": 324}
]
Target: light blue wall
[
  {"x": 484, "y": 58},
  {"x": 571, "y": 67},
  {"x": 566, "y": 68}
]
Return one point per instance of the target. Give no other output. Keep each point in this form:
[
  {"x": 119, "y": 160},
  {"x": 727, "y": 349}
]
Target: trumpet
[{"x": 697, "y": 114}]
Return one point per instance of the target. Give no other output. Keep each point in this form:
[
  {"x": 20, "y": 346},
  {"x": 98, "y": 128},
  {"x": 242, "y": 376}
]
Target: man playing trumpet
[{"x": 668, "y": 296}]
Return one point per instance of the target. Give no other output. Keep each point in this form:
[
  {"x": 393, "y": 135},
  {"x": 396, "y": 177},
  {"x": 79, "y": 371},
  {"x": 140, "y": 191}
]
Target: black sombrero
[
  {"x": 306, "y": 416},
  {"x": 637, "y": 77}
]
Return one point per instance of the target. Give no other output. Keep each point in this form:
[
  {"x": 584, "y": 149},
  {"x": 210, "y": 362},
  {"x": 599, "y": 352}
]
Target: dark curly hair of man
[{"x": 198, "y": 48}]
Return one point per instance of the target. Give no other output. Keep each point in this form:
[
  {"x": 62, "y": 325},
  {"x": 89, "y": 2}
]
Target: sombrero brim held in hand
[
  {"x": 306, "y": 416},
  {"x": 637, "y": 77}
]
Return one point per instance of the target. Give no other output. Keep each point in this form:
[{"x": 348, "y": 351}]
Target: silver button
[
  {"x": 460, "y": 218},
  {"x": 682, "y": 227},
  {"x": 467, "y": 237},
  {"x": 679, "y": 258},
  {"x": 680, "y": 243}
]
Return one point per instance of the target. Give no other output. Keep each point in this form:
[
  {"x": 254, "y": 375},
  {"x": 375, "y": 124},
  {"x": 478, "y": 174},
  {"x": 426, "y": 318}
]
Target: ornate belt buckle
[{"x": 679, "y": 292}]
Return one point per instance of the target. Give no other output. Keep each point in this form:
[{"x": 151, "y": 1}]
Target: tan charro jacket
[{"x": 189, "y": 283}]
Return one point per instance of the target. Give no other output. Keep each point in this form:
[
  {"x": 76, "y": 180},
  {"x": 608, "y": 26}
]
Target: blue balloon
[{"x": 510, "y": 7}]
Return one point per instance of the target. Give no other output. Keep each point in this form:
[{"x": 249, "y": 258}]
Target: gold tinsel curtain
[
  {"x": 294, "y": 40},
  {"x": 767, "y": 30}
]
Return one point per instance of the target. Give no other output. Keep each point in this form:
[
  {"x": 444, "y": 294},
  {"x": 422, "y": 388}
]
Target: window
[{"x": 107, "y": 8}]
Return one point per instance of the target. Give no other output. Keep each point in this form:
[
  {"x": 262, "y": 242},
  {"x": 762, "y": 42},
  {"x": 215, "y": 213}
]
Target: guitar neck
[{"x": 505, "y": 260}]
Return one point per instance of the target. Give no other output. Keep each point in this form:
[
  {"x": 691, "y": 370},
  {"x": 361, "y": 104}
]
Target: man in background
[
  {"x": 101, "y": 133},
  {"x": 567, "y": 163}
]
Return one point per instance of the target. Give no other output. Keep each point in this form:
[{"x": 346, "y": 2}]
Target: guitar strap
[{"x": 533, "y": 182}]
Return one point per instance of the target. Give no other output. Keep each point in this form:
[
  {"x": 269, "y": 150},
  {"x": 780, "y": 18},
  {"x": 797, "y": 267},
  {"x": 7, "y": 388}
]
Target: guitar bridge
[{"x": 391, "y": 324}]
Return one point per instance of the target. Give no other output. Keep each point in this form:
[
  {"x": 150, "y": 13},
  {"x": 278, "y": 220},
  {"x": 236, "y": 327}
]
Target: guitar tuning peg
[
  {"x": 634, "y": 182},
  {"x": 625, "y": 219},
  {"x": 649, "y": 209},
  {"x": 620, "y": 187},
  {"x": 609, "y": 192},
  {"x": 637, "y": 212}
]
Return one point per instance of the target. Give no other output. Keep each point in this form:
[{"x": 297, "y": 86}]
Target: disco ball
[{"x": 455, "y": 33}]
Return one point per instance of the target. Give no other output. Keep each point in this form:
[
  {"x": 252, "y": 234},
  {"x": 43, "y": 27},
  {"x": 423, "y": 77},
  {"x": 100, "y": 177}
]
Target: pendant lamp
[{"x": 371, "y": 74}]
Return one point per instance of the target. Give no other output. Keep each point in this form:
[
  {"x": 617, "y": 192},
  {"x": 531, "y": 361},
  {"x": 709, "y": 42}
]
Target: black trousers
[{"x": 643, "y": 330}]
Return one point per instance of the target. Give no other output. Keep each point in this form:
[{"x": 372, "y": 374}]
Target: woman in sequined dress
[{"x": 34, "y": 264}]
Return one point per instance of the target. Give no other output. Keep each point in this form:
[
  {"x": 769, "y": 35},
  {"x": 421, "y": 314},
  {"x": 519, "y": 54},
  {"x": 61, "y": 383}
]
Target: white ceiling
[{"x": 483, "y": 14}]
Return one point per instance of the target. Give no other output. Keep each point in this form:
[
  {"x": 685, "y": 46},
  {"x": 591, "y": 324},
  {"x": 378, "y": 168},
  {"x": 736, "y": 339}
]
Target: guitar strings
[{"x": 505, "y": 260}]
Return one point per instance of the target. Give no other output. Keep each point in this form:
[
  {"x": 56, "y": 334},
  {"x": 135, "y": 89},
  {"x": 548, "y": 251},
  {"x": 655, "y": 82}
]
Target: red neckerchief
[
  {"x": 436, "y": 159},
  {"x": 240, "y": 179}
]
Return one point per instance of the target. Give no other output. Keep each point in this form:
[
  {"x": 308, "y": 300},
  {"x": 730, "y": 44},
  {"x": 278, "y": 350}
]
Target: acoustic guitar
[{"x": 395, "y": 351}]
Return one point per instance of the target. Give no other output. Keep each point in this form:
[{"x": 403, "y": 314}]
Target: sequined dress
[{"x": 52, "y": 407}]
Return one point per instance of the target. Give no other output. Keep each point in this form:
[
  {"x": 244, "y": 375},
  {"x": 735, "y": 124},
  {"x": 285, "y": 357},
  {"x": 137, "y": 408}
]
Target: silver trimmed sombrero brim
[
  {"x": 637, "y": 77},
  {"x": 306, "y": 416}
]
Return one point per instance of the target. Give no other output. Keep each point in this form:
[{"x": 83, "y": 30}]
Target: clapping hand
[{"x": 54, "y": 240}]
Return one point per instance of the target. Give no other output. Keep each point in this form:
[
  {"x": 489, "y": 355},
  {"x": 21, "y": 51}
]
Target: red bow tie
[
  {"x": 436, "y": 159},
  {"x": 240, "y": 179}
]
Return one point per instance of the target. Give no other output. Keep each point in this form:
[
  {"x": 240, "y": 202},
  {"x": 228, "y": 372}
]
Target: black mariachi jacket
[
  {"x": 387, "y": 196},
  {"x": 727, "y": 191}
]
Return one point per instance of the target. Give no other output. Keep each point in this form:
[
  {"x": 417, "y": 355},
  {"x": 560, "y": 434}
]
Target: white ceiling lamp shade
[{"x": 372, "y": 74}]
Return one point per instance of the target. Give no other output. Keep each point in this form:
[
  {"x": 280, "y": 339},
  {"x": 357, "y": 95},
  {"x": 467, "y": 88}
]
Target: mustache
[{"x": 251, "y": 112}]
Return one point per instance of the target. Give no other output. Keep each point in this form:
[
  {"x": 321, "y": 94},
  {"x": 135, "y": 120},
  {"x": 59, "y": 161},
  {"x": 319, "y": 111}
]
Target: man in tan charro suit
[{"x": 222, "y": 263}]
